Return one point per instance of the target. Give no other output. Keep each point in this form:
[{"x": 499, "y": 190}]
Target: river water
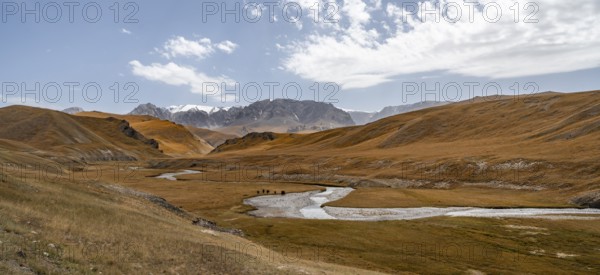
[
  {"x": 173, "y": 176},
  {"x": 309, "y": 205}
]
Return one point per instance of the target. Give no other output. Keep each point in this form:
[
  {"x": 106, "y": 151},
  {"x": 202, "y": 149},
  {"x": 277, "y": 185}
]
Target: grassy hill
[
  {"x": 535, "y": 151},
  {"x": 214, "y": 138},
  {"x": 549, "y": 140},
  {"x": 55, "y": 134},
  {"x": 60, "y": 224},
  {"x": 546, "y": 119},
  {"x": 173, "y": 139}
]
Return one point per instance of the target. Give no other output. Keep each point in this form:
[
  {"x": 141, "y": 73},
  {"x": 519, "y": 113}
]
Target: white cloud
[
  {"x": 356, "y": 10},
  {"x": 227, "y": 46},
  {"x": 567, "y": 38},
  {"x": 176, "y": 75},
  {"x": 202, "y": 48},
  {"x": 125, "y": 31},
  {"x": 179, "y": 46}
]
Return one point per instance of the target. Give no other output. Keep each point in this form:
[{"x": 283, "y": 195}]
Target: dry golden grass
[
  {"x": 130, "y": 118},
  {"x": 464, "y": 154},
  {"x": 70, "y": 225},
  {"x": 173, "y": 139},
  {"x": 437, "y": 245},
  {"x": 548, "y": 120},
  {"x": 194, "y": 194},
  {"x": 55, "y": 134},
  {"x": 549, "y": 140},
  {"x": 214, "y": 138},
  {"x": 474, "y": 197}
]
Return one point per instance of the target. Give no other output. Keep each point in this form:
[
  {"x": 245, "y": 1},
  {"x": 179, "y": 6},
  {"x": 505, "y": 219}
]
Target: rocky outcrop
[
  {"x": 126, "y": 129},
  {"x": 247, "y": 140},
  {"x": 213, "y": 226},
  {"x": 590, "y": 199}
]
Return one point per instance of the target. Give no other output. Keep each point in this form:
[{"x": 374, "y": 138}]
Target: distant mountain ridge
[
  {"x": 361, "y": 118},
  {"x": 188, "y": 107},
  {"x": 279, "y": 115},
  {"x": 73, "y": 110},
  {"x": 283, "y": 115}
]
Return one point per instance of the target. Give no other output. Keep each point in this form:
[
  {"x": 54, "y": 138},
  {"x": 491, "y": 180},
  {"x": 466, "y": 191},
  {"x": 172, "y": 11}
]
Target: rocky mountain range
[
  {"x": 282, "y": 115},
  {"x": 279, "y": 115}
]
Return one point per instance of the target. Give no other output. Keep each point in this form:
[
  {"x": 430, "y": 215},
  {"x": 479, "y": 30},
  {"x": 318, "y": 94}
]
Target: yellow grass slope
[
  {"x": 65, "y": 224},
  {"x": 553, "y": 121},
  {"x": 173, "y": 139},
  {"x": 214, "y": 138},
  {"x": 56, "y": 134},
  {"x": 547, "y": 140}
]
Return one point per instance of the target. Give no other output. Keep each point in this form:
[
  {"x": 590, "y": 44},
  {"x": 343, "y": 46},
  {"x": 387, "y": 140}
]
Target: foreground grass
[
  {"x": 82, "y": 227},
  {"x": 441, "y": 245},
  {"x": 437, "y": 245}
]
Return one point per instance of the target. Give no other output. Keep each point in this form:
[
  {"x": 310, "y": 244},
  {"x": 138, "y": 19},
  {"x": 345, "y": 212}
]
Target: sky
[{"x": 356, "y": 54}]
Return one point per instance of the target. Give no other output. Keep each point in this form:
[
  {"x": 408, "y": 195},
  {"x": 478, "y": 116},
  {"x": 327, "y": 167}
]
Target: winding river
[
  {"x": 309, "y": 205},
  {"x": 173, "y": 176}
]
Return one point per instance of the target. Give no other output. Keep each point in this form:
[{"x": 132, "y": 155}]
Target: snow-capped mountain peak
[{"x": 189, "y": 107}]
